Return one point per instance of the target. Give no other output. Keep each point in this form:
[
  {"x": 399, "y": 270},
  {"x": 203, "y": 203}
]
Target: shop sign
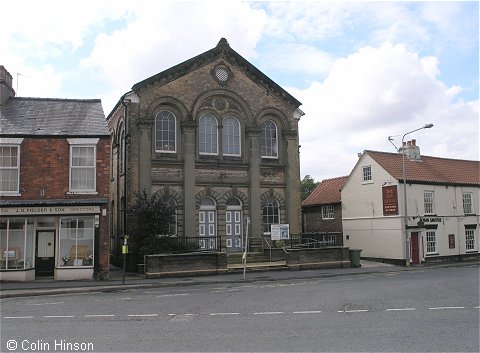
[
  {"x": 48, "y": 210},
  {"x": 390, "y": 200}
]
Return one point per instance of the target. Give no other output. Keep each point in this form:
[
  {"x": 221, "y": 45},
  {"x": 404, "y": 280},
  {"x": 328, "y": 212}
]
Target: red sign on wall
[{"x": 390, "y": 200}]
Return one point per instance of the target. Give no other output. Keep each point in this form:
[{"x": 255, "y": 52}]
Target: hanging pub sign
[{"x": 390, "y": 200}]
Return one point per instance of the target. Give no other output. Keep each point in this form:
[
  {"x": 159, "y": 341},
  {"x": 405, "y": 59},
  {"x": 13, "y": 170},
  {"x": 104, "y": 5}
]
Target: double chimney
[{"x": 412, "y": 151}]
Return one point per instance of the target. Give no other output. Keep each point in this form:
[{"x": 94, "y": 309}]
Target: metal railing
[{"x": 189, "y": 244}]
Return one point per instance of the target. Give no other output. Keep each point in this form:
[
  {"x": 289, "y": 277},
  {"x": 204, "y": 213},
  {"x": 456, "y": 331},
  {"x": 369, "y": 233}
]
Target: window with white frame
[
  {"x": 76, "y": 241},
  {"x": 208, "y": 135},
  {"x": 470, "y": 238},
  {"x": 83, "y": 161},
  {"x": 428, "y": 202},
  {"x": 10, "y": 167},
  {"x": 269, "y": 140},
  {"x": 328, "y": 212},
  {"x": 165, "y": 132},
  {"x": 431, "y": 242},
  {"x": 271, "y": 214},
  {"x": 367, "y": 173},
  {"x": 468, "y": 202},
  {"x": 231, "y": 136}
]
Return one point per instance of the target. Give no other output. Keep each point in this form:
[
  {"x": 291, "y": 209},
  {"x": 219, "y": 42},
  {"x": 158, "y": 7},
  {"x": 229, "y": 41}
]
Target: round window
[{"x": 221, "y": 73}]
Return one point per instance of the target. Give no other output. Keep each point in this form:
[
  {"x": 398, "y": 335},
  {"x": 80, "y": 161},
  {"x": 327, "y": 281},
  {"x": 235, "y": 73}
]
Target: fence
[
  {"x": 313, "y": 240},
  {"x": 189, "y": 244}
]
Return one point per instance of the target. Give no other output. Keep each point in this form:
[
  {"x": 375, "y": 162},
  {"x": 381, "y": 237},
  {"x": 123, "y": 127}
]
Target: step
[
  {"x": 252, "y": 257},
  {"x": 258, "y": 266}
]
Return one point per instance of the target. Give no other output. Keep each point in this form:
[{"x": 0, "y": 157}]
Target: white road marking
[
  {"x": 447, "y": 307},
  {"x": 142, "y": 315},
  {"x": 401, "y": 309},
  {"x": 268, "y": 313},
  {"x": 58, "y": 316},
  {"x": 47, "y": 303},
  {"x": 307, "y": 312},
  {"x": 353, "y": 311},
  {"x": 223, "y": 314},
  {"x": 99, "y": 315},
  {"x": 18, "y": 317},
  {"x": 172, "y": 295}
]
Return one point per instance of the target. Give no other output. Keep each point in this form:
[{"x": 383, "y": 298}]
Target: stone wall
[
  {"x": 331, "y": 257},
  {"x": 193, "y": 264}
]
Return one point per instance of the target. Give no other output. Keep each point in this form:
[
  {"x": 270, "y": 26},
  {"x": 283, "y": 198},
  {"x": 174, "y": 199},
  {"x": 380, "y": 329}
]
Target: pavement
[{"x": 49, "y": 286}]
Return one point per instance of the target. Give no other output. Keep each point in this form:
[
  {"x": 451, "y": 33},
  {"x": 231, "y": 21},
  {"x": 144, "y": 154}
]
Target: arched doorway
[
  {"x": 207, "y": 223},
  {"x": 233, "y": 224}
]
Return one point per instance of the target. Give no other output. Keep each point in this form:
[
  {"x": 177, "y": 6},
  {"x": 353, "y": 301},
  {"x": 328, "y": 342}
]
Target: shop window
[
  {"x": 76, "y": 241},
  {"x": 16, "y": 243}
]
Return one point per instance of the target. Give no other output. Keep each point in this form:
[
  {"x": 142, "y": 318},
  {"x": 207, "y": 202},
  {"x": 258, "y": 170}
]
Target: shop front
[{"x": 59, "y": 241}]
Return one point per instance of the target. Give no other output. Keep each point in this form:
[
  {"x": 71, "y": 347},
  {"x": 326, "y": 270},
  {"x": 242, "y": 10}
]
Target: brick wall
[{"x": 313, "y": 222}]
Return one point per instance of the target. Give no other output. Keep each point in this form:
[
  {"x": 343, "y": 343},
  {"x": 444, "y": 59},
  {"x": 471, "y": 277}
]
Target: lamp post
[{"x": 404, "y": 171}]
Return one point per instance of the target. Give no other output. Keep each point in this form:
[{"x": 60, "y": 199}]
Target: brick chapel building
[
  {"x": 215, "y": 138},
  {"x": 54, "y": 187}
]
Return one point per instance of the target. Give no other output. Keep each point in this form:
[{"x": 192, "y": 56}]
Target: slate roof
[
  {"x": 430, "y": 170},
  {"x": 223, "y": 50},
  {"x": 326, "y": 192},
  {"x": 52, "y": 117}
]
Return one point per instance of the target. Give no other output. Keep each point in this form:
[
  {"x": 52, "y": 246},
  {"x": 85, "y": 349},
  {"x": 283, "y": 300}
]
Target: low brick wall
[
  {"x": 331, "y": 257},
  {"x": 191, "y": 264}
]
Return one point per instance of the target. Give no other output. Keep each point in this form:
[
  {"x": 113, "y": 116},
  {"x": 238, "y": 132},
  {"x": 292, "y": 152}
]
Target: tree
[
  {"x": 307, "y": 185},
  {"x": 150, "y": 220}
]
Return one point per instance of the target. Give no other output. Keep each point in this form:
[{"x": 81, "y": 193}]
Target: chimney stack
[
  {"x": 6, "y": 89},
  {"x": 412, "y": 151}
]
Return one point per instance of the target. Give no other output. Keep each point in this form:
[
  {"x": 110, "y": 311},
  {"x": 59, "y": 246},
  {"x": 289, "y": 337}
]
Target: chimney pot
[{"x": 414, "y": 142}]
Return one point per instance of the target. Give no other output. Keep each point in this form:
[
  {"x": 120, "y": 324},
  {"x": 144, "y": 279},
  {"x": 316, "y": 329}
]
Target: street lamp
[{"x": 404, "y": 170}]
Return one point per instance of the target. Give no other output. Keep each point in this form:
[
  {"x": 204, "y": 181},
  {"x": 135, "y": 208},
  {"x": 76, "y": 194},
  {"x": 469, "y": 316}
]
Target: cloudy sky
[{"x": 363, "y": 70}]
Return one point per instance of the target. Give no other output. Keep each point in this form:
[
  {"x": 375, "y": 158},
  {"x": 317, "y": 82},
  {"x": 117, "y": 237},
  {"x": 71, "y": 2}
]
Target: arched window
[
  {"x": 207, "y": 135},
  {"x": 269, "y": 140},
  {"x": 121, "y": 153},
  {"x": 271, "y": 214},
  {"x": 231, "y": 136},
  {"x": 165, "y": 132},
  {"x": 170, "y": 208}
]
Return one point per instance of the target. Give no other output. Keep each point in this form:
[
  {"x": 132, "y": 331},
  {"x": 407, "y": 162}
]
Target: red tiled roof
[
  {"x": 327, "y": 192},
  {"x": 430, "y": 169}
]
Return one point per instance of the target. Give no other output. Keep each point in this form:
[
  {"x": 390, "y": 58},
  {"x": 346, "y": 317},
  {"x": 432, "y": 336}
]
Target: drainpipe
[{"x": 125, "y": 116}]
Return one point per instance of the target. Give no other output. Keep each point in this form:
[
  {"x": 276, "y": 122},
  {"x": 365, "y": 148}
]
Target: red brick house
[
  {"x": 54, "y": 187},
  {"x": 322, "y": 209}
]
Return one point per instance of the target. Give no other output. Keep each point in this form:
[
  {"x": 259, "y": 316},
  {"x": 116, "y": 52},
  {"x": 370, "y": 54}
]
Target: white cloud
[
  {"x": 375, "y": 93},
  {"x": 158, "y": 38}
]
